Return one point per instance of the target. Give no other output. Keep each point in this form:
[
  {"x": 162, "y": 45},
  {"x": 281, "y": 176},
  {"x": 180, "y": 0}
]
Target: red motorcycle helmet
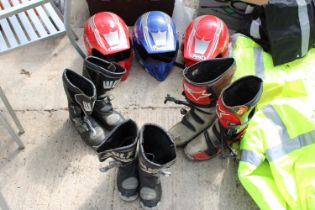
[
  {"x": 106, "y": 36},
  {"x": 206, "y": 37}
]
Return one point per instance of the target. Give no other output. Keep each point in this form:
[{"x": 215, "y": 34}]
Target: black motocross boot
[
  {"x": 105, "y": 76},
  {"x": 121, "y": 145},
  {"x": 156, "y": 152},
  {"x": 81, "y": 95}
]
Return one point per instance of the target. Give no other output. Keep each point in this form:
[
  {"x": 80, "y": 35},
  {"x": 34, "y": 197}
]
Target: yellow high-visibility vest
[
  {"x": 277, "y": 165},
  {"x": 291, "y": 80}
]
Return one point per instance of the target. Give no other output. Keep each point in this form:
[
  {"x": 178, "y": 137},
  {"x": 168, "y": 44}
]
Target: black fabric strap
[
  {"x": 216, "y": 132},
  {"x": 188, "y": 124},
  {"x": 211, "y": 150},
  {"x": 196, "y": 117}
]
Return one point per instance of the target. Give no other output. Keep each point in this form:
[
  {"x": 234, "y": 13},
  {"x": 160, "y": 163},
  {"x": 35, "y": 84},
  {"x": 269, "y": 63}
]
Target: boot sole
[
  {"x": 128, "y": 199},
  {"x": 194, "y": 160},
  {"x": 149, "y": 208}
]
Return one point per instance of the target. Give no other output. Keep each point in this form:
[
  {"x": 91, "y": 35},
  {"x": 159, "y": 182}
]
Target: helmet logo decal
[
  {"x": 198, "y": 56},
  {"x": 201, "y": 46},
  {"x": 197, "y": 95},
  {"x": 112, "y": 39},
  {"x": 160, "y": 40}
]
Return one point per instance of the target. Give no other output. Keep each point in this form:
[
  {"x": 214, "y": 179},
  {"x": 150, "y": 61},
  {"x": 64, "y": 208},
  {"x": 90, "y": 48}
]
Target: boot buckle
[
  {"x": 111, "y": 164},
  {"x": 183, "y": 111},
  {"x": 166, "y": 173}
]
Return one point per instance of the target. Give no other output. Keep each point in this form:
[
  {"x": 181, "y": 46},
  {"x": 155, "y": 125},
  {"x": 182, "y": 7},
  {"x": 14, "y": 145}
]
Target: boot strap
[
  {"x": 213, "y": 145},
  {"x": 168, "y": 98},
  {"x": 189, "y": 125},
  {"x": 211, "y": 150},
  {"x": 224, "y": 144},
  {"x": 192, "y": 112}
]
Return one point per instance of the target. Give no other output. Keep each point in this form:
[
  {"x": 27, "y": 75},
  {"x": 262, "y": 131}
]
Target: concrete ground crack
[{"x": 116, "y": 108}]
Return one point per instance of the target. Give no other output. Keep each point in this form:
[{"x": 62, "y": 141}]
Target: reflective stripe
[
  {"x": 251, "y": 157},
  {"x": 272, "y": 114},
  {"x": 305, "y": 26},
  {"x": 259, "y": 63},
  {"x": 287, "y": 145},
  {"x": 254, "y": 28},
  {"x": 290, "y": 146}
]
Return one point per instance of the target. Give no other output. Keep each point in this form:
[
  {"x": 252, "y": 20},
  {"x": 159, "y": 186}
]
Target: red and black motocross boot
[
  {"x": 105, "y": 76},
  {"x": 235, "y": 108},
  {"x": 121, "y": 145},
  {"x": 202, "y": 84}
]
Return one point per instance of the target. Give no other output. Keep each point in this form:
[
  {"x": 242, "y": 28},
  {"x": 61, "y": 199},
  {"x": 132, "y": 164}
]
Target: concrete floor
[{"x": 57, "y": 171}]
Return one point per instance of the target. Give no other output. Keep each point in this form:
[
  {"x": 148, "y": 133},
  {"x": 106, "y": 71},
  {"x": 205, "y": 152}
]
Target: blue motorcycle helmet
[{"x": 156, "y": 44}]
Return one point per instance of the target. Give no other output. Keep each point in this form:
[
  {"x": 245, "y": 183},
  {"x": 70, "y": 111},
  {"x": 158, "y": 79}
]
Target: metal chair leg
[
  {"x": 11, "y": 111},
  {"x": 3, "y": 203},
  {"x": 70, "y": 33},
  {"x": 15, "y": 137}
]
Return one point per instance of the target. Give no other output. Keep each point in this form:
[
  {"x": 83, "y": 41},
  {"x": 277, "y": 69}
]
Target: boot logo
[
  {"x": 87, "y": 106},
  {"x": 121, "y": 156},
  {"x": 221, "y": 112},
  {"x": 147, "y": 169},
  {"x": 242, "y": 110},
  {"x": 197, "y": 95},
  {"x": 110, "y": 84}
]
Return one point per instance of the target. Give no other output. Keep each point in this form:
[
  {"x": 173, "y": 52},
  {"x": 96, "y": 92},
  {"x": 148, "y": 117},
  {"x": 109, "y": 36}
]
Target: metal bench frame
[
  {"x": 7, "y": 125},
  {"x": 23, "y": 22}
]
